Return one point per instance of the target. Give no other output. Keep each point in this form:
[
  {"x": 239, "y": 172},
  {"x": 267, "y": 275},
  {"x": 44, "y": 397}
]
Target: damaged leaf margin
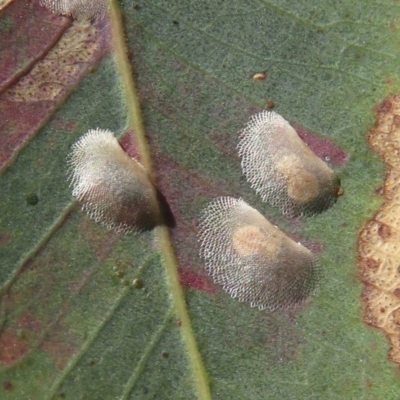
[{"x": 379, "y": 239}]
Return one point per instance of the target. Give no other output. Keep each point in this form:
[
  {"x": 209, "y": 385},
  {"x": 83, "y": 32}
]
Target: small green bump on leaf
[
  {"x": 137, "y": 283},
  {"x": 164, "y": 354},
  {"x": 32, "y": 199}
]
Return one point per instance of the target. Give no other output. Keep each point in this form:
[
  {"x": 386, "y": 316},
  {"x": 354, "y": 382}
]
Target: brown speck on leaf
[
  {"x": 7, "y": 385},
  {"x": 379, "y": 191},
  {"x": 137, "y": 283},
  {"x": 390, "y": 81},
  {"x": 396, "y": 121},
  {"x": 370, "y": 263},
  {"x": 259, "y": 76},
  {"x": 270, "y": 105},
  {"x": 384, "y": 231},
  {"x": 384, "y": 107},
  {"x": 396, "y": 316}
]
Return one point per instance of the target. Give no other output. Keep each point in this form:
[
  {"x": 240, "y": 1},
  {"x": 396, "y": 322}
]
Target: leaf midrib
[{"x": 135, "y": 122}]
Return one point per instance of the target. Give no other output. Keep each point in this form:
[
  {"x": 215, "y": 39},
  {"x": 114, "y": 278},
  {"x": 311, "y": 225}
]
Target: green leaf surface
[{"x": 73, "y": 323}]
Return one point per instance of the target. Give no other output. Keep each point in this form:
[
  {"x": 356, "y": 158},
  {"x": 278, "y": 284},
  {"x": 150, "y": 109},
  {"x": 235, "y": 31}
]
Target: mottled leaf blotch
[{"x": 32, "y": 199}]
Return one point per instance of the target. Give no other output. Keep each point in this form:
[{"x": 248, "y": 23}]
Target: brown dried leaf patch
[
  {"x": 66, "y": 59},
  {"x": 27, "y": 105},
  {"x": 379, "y": 239},
  {"x": 27, "y": 34}
]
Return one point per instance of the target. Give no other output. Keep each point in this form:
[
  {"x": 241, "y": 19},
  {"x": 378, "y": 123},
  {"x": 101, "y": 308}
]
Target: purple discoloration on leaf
[
  {"x": 26, "y": 321},
  {"x": 127, "y": 142},
  {"x": 5, "y": 238},
  {"x": 184, "y": 235},
  {"x": 27, "y": 104},
  {"x": 60, "y": 124},
  {"x": 59, "y": 346},
  {"x": 193, "y": 280},
  {"x": 12, "y": 346},
  {"x": 20, "y": 122},
  {"x": 99, "y": 239},
  {"x": 323, "y": 148},
  {"x": 226, "y": 144},
  {"x": 314, "y": 245}
]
